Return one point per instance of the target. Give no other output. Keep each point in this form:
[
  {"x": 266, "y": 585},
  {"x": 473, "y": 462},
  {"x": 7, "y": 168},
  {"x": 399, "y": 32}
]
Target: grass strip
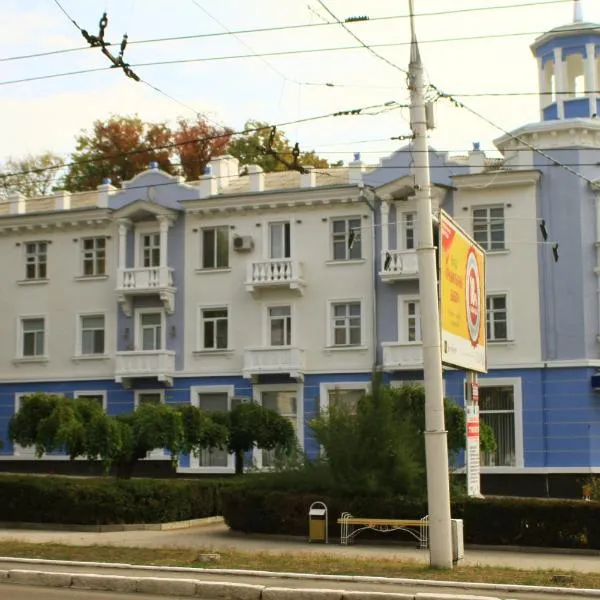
[{"x": 298, "y": 563}]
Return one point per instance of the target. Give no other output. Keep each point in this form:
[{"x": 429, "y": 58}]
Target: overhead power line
[{"x": 291, "y": 27}]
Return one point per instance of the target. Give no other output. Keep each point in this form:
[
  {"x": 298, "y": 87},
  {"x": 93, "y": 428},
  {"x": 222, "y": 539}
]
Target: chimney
[
  {"x": 105, "y": 191},
  {"x": 476, "y": 159},
  {"x": 62, "y": 200},
  {"x": 17, "y": 204},
  {"x": 308, "y": 180},
  {"x": 208, "y": 183},
  {"x": 257, "y": 178},
  {"x": 225, "y": 169},
  {"x": 355, "y": 169}
]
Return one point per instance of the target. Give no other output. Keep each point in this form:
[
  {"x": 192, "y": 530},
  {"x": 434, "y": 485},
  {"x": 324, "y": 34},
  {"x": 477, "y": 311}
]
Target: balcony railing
[
  {"x": 274, "y": 360},
  {"x": 159, "y": 364},
  {"x": 399, "y": 264},
  {"x": 400, "y": 356},
  {"x": 275, "y": 272},
  {"x": 144, "y": 281}
]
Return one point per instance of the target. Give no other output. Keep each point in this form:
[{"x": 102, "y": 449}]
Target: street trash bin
[{"x": 317, "y": 523}]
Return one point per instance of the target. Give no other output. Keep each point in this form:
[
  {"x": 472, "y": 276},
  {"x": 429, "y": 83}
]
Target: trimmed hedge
[
  {"x": 101, "y": 501},
  {"x": 544, "y": 523}
]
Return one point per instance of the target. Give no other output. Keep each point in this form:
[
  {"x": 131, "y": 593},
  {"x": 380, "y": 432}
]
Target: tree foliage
[
  {"x": 35, "y": 175},
  {"x": 123, "y": 146},
  {"x": 247, "y": 149},
  {"x": 253, "y": 426},
  {"x": 380, "y": 447},
  {"x": 80, "y": 428}
]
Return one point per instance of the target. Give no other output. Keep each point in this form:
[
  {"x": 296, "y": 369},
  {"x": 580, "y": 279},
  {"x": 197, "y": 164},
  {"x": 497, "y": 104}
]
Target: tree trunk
[{"x": 239, "y": 463}]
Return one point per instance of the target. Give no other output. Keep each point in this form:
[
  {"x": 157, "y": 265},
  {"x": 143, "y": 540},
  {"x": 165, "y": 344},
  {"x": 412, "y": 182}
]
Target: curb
[
  {"x": 461, "y": 585},
  {"x": 115, "y": 528},
  {"x": 204, "y": 589}
]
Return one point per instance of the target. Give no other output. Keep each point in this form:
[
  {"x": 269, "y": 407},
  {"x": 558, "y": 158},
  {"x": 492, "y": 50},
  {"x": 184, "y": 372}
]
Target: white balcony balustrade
[
  {"x": 399, "y": 264},
  {"x": 275, "y": 272},
  {"x": 398, "y": 356},
  {"x": 159, "y": 364},
  {"x": 273, "y": 360},
  {"x": 143, "y": 281}
]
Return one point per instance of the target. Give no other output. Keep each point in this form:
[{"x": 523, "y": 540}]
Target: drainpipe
[{"x": 369, "y": 197}]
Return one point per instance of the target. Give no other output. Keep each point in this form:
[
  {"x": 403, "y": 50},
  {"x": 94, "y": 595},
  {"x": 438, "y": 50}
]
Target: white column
[
  {"x": 543, "y": 87},
  {"x": 164, "y": 238},
  {"x": 123, "y": 228},
  {"x": 385, "y": 224},
  {"x": 560, "y": 81},
  {"x": 591, "y": 79}
]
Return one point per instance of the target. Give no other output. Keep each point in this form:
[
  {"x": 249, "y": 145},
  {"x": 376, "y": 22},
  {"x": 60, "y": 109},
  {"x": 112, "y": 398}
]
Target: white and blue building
[{"x": 244, "y": 285}]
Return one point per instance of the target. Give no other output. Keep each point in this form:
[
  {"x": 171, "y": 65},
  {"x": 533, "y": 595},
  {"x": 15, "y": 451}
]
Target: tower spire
[{"x": 577, "y": 12}]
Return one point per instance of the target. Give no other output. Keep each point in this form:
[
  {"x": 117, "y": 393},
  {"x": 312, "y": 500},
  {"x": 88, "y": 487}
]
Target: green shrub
[
  {"x": 91, "y": 501},
  {"x": 279, "y": 504}
]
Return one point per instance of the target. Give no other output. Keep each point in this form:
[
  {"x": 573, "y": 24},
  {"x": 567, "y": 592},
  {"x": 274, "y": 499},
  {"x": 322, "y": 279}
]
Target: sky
[{"x": 48, "y": 114}]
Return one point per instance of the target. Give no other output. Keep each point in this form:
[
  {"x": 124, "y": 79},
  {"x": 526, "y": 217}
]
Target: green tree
[
  {"x": 253, "y": 426},
  {"x": 80, "y": 428},
  {"x": 247, "y": 148},
  {"x": 34, "y": 175}
]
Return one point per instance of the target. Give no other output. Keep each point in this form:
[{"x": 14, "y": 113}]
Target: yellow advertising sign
[{"x": 462, "y": 298}]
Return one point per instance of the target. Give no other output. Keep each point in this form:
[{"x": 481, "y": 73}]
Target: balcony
[
  {"x": 401, "y": 356},
  {"x": 283, "y": 273},
  {"x": 397, "y": 265},
  {"x": 274, "y": 360},
  {"x": 142, "y": 281},
  {"x": 159, "y": 364}
]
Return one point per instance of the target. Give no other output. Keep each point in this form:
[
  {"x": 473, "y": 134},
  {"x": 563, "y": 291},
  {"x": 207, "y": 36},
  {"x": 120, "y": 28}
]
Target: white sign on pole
[{"x": 472, "y": 451}]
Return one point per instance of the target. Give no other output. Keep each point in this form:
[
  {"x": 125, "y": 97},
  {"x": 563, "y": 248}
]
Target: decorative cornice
[
  {"x": 496, "y": 179},
  {"x": 66, "y": 219}
]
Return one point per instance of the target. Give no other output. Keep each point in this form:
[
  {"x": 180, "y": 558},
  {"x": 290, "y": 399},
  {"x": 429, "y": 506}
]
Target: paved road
[
  {"x": 22, "y": 592},
  {"x": 282, "y": 582}
]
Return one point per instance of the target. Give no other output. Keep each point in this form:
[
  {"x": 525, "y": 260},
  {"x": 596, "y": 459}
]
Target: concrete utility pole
[{"x": 436, "y": 449}]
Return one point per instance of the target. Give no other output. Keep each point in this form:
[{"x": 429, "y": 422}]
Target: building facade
[{"x": 284, "y": 288}]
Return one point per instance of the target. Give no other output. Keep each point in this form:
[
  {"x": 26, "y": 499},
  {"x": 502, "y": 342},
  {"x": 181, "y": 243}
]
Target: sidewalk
[{"x": 219, "y": 537}]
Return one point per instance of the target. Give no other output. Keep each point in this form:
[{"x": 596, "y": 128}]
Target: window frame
[
  {"x": 18, "y": 451},
  {"x": 331, "y": 325},
  {"x": 36, "y": 261},
  {"x": 403, "y": 317},
  {"x": 195, "y": 390},
  {"x": 216, "y": 229},
  {"x": 505, "y": 295},
  {"x": 516, "y": 383},
  {"x": 94, "y": 257},
  {"x": 21, "y": 338},
  {"x": 404, "y": 230},
  {"x": 138, "y": 393},
  {"x": 138, "y": 341},
  {"x": 200, "y": 331},
  {"x": 346, "y": 237},
  {"x": 269, "y": 240},
  {"x": 102, "y": 393},
  {"x": 142, "y": 229},
  {"x": 269, "y": 321},
  {"x": 79, "y": 332},
  {"x": 487, "y": 246},
  {"x": 326, "y": 388}
]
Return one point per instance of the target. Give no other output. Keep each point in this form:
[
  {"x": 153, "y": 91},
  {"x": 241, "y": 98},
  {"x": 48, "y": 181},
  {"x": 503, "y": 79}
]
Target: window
[
  {"x": 408, "y": 227},
  {"x": 210, "y": 403},
  {"x": 345, "y": 397},
  {"x": 286, "y": 404},
  {"x": 346, "y": 239},
  {"x": 215, "y": 328},
  {"x": 497, "y": 409},
  {"x": 99, "y": 397},
  {"x": 280, "y": 326},
  {"x": 148, "y": 398},
  {"x": 413, "y": 321},
  {"x": 215, "y": 248},
  {"x": 33, "y": 341},
  {"x": 151, "y": 250},
  {"x": 92, "y": 335},
  {"x": 279, "y": 240},
  {"x": 151, "y": 331},
  {"x": 496, "y": 318},
  {"x": 488, "y": 228},
  {"x": 94, "y": 256},
  {"x": 36, "y": 260},
  {"x": 346, "y": 323}
]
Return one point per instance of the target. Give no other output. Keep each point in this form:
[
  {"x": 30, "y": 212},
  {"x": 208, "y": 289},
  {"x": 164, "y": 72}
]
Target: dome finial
[{"x": 577, "y": 12}]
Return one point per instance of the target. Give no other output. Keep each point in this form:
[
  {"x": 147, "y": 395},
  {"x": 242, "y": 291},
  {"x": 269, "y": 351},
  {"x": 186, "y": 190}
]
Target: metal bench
[{"x": 352, "y": 526}]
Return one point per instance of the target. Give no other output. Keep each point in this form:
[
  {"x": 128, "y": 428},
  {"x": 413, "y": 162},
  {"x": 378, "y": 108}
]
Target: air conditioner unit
[{"x": 243, "y": 243}]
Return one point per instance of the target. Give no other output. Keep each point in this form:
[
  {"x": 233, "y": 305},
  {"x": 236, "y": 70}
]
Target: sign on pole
[
  {"x": 462, "y": 298},
  {"x": 472, "y": 421}
]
